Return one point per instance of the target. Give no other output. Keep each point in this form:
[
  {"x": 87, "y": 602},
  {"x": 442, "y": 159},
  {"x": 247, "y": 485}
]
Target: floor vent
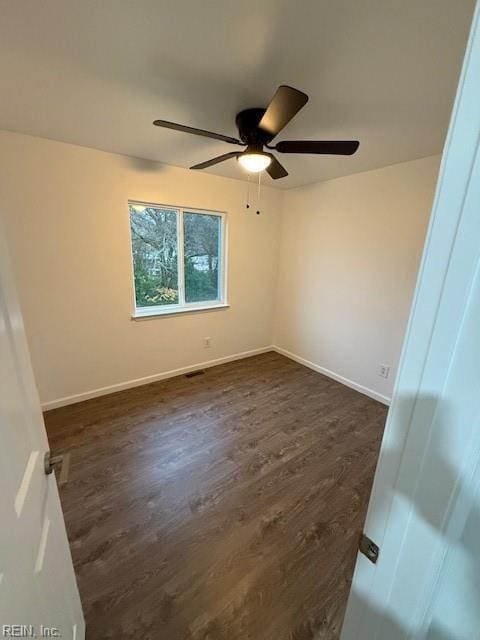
[{"x": 192, "y": 374}]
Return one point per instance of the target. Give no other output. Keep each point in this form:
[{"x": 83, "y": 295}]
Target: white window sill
[{"x": 154, "y": 312}]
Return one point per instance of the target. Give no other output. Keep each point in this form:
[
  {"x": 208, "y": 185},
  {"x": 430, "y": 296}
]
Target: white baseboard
[
  {"x": 335, "y": 376},
  {"x": 138, "y": 382}
]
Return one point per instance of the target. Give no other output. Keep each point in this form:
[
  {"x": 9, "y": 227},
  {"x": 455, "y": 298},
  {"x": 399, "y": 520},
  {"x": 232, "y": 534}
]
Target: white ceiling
[{"x": 98, "y": 72}]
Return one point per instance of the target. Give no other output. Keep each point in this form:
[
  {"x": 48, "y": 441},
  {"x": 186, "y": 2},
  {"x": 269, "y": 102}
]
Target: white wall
[
  {"x": 67, "y": 225},
  {"x": 341, "y": 255},
  {"x": 349, "y": 255}
]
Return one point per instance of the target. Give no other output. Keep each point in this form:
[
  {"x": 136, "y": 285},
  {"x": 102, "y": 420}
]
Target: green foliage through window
[
  {"x": 202, "y": 248},
  {"x": 156, "y": 256}
]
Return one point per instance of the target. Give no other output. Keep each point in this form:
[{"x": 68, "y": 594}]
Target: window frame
[{"x": 140, "y": 313}]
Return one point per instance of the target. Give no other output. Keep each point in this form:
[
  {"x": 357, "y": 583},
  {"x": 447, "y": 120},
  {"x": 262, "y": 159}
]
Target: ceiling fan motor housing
[{"x": 249, "y": 132}]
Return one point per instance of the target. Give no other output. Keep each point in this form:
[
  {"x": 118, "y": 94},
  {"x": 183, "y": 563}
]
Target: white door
[
  {"x": 38, "y": 592},
  {"x": 424, "y": 512}
]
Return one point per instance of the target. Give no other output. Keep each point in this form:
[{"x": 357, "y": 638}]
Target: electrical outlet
[
  {"x": 384, "y": 370},
  {"x": 207, "y": 343}
]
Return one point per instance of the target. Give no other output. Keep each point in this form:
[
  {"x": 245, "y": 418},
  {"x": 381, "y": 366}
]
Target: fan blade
[
  {"x": 210, "y": 163},
  {"x": 333, "y": 147},
  {"x": 197, "y": 132},
  {"x": 285, "y": 104},
  {"x": 276, "y": 170}
]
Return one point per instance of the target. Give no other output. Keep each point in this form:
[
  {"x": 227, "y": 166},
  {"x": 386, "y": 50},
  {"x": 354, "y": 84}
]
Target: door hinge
[{"x": 368, "y": 548}]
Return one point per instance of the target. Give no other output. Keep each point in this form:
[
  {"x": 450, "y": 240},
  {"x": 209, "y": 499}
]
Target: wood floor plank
[{"x": 225, "y": 506}]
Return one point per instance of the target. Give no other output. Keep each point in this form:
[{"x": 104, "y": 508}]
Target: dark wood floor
[{"x": 220, "y": 507}]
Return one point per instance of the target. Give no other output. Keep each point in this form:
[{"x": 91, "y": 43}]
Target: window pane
[
  {"x": 155, "y": 258},
  {"x": 202, "y": 234}
]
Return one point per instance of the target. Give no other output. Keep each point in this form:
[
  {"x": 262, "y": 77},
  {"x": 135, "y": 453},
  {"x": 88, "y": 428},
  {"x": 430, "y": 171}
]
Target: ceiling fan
[{"x": 257, "y": 128}]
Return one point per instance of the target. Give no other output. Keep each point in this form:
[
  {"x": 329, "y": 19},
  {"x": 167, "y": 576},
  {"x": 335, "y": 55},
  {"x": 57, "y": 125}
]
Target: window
[{"x": 178, "y": 259}]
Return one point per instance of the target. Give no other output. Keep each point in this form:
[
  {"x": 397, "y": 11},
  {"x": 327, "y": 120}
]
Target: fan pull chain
[
  {"x": 258, "y": 193},
  {"x": 248, "y": 191}
]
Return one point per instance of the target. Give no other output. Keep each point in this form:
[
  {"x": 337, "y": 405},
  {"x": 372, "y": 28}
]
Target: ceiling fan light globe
[{"x": 254, "y": 162}]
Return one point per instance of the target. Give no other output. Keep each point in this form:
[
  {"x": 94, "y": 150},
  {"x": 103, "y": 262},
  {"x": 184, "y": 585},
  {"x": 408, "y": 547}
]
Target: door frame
[{"x": 445, "y": 277}]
